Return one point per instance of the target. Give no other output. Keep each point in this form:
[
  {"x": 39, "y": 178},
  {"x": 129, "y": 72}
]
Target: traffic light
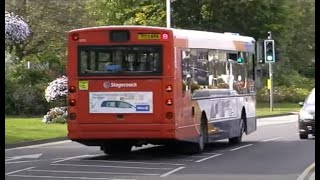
[
  {"x": 260, "y": 51},
  {"x": 269, "y": 53}
]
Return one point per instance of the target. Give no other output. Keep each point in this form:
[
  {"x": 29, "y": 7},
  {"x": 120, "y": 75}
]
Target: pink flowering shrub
[
  {"x": 57, "y": 90},
  {"x": 16, "y": 29}
]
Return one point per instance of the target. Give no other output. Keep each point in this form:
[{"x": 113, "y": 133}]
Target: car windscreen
[
  {"x": 311, "y": 98},
  {"x": 120, "y": 60}
]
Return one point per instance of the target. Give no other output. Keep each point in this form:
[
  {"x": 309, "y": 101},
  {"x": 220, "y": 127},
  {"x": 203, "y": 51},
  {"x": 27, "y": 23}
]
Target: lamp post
[{"x": 168, "y": 6}]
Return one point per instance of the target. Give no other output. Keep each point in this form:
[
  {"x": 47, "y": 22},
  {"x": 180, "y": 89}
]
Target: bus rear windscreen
[{"x": 120, "y": 60}]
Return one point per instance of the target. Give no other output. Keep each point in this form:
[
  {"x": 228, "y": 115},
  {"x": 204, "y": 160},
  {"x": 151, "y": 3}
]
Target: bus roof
[{"x": 195, "y": 38}]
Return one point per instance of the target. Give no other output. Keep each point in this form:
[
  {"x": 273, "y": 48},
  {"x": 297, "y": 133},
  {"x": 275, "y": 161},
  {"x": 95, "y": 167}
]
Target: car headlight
[{"x": 305, "y": 115}]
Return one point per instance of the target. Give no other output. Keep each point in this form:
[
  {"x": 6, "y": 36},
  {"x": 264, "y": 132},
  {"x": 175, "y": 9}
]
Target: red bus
[{"x": 134, "y": 85}]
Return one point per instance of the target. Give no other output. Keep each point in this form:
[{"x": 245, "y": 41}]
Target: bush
[
  {"x": 56, "y": 115},
  {"x": 57, "y": 89},
  {"x": 24, "y": 91},
  {"x": 56, "y": 93},
  {"x": 283, "y": 94}
]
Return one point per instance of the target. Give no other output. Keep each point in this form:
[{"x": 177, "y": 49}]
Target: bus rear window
[{"x": 120, "y": 60}]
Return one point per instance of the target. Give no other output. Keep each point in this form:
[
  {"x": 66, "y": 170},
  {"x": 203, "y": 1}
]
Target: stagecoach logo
[{"x": 108, "y": 84}]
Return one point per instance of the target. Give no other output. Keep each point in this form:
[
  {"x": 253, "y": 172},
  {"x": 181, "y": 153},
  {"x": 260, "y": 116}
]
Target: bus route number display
[{"x": 149, "y": 36}]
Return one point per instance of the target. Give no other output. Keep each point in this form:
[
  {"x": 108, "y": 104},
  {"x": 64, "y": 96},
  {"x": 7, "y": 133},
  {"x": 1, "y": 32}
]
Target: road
[{"x": 274, "y": 152}]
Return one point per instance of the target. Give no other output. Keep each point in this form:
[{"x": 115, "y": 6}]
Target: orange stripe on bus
[
  {"x": 240, "y": 46},
  {"x": 181, "y": 43}
]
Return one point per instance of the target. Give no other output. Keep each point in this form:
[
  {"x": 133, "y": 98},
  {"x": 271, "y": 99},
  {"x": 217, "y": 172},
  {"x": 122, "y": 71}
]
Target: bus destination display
[{"x": 149, "y": 36}]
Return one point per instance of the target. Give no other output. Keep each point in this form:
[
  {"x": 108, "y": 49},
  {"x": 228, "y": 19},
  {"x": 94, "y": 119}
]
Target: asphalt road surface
[{"x": 274, "y": 152}]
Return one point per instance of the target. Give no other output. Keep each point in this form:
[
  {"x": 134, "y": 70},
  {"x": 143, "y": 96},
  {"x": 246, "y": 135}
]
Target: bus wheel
[
  {"x": 238, "y": 139},
  {"x": 116, "y": 149},
  {"x": 193, "y": 148}
]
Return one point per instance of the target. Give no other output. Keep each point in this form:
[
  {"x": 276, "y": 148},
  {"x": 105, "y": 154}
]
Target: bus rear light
[
  {"x": 72, "y": 102},
  {"x": 169, "y": 115},
  {"x": 72, "y": 89},
  {"x": 169, "y": 102},
  {"x": 72, "y": 116},
  {"x": 169, "y": 88},
  {"x": 75, "y": 37}
]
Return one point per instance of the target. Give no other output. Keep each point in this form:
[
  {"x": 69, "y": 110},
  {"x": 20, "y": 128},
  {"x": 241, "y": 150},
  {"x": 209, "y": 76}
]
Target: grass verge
[
  {"x": 278, "y": 108},
  {"x": 18, "y": 129}
]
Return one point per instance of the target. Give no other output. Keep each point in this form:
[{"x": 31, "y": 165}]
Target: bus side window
[{"x": 185, "y": 69}]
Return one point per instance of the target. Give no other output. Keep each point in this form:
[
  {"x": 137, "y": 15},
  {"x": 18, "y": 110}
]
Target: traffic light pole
[
  {"x": 271, "y": 86},
  {"x": 271, "y": 78}
]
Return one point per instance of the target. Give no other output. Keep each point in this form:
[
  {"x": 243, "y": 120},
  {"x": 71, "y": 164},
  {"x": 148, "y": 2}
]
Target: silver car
[{"x": 307, "y": 116}]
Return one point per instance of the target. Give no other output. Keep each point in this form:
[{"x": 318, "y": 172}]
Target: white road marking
[
  {"x": 241, "y": 147},
  {"x": 208, "y": 153},
  {"x": 93, "y": 172},
  {"x": 74, "y": 157},
  {"x": 172, "y": 171},
  {"x": 17, "y": 162},
  {"x": 19, "y": 170},
  {"x": 266, "y": 140},
  {"x": 189, "y": 160},
  {"x": 31, "y": 156},
  {"x": 66, "y": 177},
  {"x": 133, "y": 162},
  {"x": 122, "y": 167},
  {"x": 307, "y": 172},
  {"x": 39, "y": 145},
  {"x": 208, "y": 158}
]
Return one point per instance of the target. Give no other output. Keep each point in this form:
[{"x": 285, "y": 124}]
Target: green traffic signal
[
  {"x": 269, "y": 50},
  {"x": 240, "y": 60}
]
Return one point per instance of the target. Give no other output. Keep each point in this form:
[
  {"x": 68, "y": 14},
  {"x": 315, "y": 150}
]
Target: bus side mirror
[{"x": 301, "y": 103}]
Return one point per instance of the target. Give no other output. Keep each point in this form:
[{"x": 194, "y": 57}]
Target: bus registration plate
[{"x": 149, "y": 36}]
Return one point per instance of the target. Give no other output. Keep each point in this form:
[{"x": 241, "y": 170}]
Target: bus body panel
[{"x": 150, "y": 109}]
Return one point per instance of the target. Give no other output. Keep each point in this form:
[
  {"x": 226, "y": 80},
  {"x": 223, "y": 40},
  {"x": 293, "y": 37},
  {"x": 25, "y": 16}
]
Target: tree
[
  {"x": 129, "y": 12},
  {"x": 50, "y": 21}
]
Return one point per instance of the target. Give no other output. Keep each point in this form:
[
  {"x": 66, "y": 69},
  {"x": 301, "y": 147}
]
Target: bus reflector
[
  {"x": 169, "y": 102},
  {"x": 72, "y": 116},
  {"x": 72, "y": 102},
  {"x": 72, "y": 89},
  {"x": 169, "y": 115},
  {"x": 169, "y": 88},
  {"x": 75, "y": 37}
]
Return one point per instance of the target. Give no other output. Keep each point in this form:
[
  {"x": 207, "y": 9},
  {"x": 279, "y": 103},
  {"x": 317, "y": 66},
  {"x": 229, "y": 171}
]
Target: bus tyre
[
  {"x": 238, "y": 139},
  {"x": 193, "y": 148},
  {"x": 303, "y": 136},
  {"x": 116, "y": 149}
]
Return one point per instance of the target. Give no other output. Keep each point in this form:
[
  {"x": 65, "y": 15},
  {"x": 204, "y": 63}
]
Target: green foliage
[
  {"x": 292, "y": 23},
  {"x": 129, "y": 12},
  {"x": 290, "y": 78},
  {"x": 283, "y": 94},
  {"x": 24, "y": 91},
  {"x": 49, "y": 21}
]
